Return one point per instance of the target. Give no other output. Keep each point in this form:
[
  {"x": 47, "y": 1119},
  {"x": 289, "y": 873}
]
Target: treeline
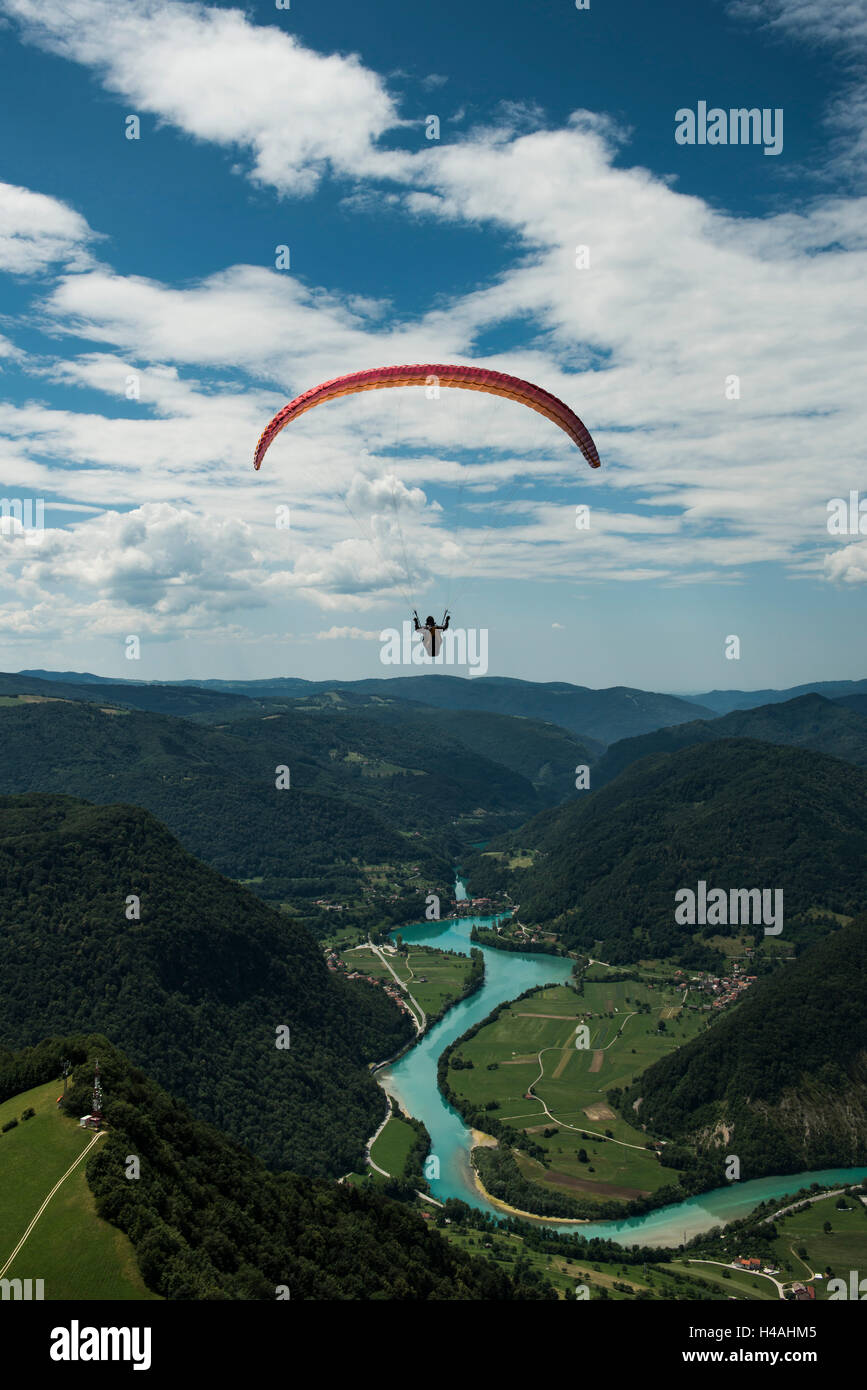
[{"x": 486, "y": 937}]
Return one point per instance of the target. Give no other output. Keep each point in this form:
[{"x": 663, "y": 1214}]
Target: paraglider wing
[{"x": 468, "y": 378}]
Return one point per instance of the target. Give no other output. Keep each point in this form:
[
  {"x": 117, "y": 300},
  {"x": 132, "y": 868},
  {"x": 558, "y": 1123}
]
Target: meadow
[
  {"x": 76, "y": 1253},
  {"x": 840, "y": 1250}
]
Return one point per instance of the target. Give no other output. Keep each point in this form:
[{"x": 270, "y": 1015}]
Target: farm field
[
  {"x": 528, "y": 1063},
  {"x": 839, "y": 1250},
  {"x": 76, "y": 1253},
  {"x": 435, "y": 978},
  {"x": 392, "y": 1148}
]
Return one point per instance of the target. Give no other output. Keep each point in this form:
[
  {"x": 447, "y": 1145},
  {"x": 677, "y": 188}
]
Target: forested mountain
[
  {"x": 723, "y": 701},
  {"x": 810, "y": 721},
  {"x": 361, "y": 789},
  {"x": 195, "y": 988},
  {"x": 781, "y": 1081},
  {"x": 735, "y": 813},
  {"x": 595, "y": 715},
  {"x": 545, "y": 754},
  {"x": 208, "y": 1221}
]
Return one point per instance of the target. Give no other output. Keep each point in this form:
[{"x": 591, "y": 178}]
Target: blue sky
[{"x": 147, "y": 268}]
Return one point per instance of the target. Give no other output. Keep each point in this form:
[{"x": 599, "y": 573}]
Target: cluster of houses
[
  {"x": 753, "y": 1263},
  {"x": 724, "y": 989},
  {"x": 471, "y": 907},
  {"x": 803, "y": 1292},
  {"x": 335, "y": 963}
]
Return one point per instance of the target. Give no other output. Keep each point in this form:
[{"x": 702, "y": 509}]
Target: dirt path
[
  {"x": 579, "y": 1129},
  {"x": 86, "y": 1150}
]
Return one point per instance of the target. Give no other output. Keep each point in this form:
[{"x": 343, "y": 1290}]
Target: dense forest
[
  {"x": 209, "y": 1221},
  {"x": 784, "y": 1075},
  {"x": 195, "y": 988},
  {"x": 734, "y": 813}
]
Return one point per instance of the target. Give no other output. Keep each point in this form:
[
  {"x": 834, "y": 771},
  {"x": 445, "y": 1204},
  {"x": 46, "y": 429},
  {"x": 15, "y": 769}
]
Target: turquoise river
[{"x": 413, "y": 1081}]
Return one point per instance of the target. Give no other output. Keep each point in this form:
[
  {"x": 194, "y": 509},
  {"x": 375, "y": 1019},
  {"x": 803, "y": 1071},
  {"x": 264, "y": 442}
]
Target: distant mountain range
[
  {"x": 601, "y": 715},
  {"x": 810, "y": 721},
  {"x": 723, "y": 701},
  {"x": 597, "y": 715}
]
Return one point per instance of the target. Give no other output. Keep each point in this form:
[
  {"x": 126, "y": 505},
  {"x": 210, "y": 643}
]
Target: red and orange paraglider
[{"x": 466, "y": 378}]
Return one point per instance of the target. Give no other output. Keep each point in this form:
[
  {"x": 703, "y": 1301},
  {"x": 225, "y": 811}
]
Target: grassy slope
[{"x": 79, "y": 1255}]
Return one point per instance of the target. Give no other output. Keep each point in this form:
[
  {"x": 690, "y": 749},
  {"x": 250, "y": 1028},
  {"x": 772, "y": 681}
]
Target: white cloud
[
  {"x": 339, "y": 634},
  {"x": 159, "y": 570},
  {"x": 36, "y": 231},
  {"x": 218, "y": 77}
]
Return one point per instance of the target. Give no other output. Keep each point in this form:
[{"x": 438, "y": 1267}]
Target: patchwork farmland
[{"x": 528, "y": 1071}]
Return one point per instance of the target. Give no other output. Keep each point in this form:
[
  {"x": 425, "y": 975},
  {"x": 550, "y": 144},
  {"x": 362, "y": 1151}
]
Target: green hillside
[
  {"x": 733, "y": 813},
  {"x": 196, "y": 988},
  {"x": 784, "y": 1076},
  {"x": 602, "y": 715},
  {"x": 73, "y": 1250}
]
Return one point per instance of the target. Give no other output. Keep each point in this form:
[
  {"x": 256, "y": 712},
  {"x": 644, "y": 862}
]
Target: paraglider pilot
[{"x": 432, "y": 639}]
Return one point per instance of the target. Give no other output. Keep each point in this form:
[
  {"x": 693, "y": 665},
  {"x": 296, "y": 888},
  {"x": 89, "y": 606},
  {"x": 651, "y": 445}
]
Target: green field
[
  {"x": 730, "y": 1283},
  {"x": 538, "y": 1034},
  {"x": 78, "y": 1255},
  {"x": 392, "y": 1148},
  {"x": 840, "y": 1250},
  {"x": 434, "y": 978}
]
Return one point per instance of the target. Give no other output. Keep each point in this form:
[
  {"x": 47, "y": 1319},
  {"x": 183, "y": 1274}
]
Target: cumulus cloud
[
  {"x": 218, "y": 77},
  {"x": 160, "y": 570},
  {"x": 37, "y": 231}
]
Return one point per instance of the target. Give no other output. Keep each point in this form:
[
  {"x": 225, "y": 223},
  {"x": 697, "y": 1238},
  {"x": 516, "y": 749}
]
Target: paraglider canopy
[
  {"x": 431, "y": 375},
  {"x": 466, "y": 378}
]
